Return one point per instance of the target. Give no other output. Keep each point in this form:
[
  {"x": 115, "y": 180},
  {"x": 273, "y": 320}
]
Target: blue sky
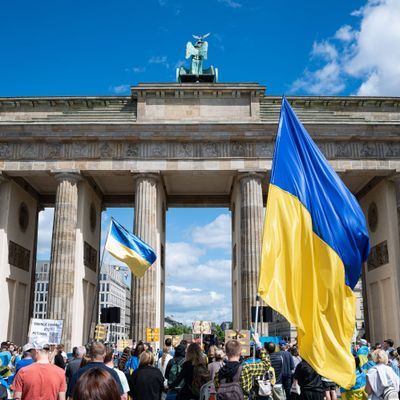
[{"x": 334, "y": 47}]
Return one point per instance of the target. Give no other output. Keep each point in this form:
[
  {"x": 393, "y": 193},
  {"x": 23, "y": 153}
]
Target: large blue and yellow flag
[
  {"x": 315, "y": 241},
  {"x": 128, "y": 248}
]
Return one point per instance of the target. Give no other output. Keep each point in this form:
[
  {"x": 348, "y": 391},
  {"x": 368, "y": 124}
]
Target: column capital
[
  {"x": 255, "y": 174},
  {"x": 149, "y": 175},
  {"x": 72, "y": 176}
]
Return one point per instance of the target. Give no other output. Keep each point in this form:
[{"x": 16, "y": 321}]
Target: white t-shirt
[
  {"x": 122, "y": 378},
  {"x": 161, "y": 367}
]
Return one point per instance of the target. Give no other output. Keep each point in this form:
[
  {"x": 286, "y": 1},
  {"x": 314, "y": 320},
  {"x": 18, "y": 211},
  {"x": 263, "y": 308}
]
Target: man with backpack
[
  {"x": 174, "y": 367},
  {"x": 234, "y": 380}
]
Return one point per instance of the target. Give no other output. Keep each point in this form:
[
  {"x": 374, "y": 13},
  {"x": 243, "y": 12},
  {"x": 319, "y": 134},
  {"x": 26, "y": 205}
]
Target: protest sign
[{"x": 45, "y": 331}]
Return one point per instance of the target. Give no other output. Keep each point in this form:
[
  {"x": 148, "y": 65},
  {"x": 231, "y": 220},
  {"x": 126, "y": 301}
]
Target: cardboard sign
[
  {"x": 100, "y": 332},
  {"x": 243, "y": 337},
  {"x": 45, "y": 331},
  {"x": 176, "y": 339},
  {"x": 123, "y": 343},
  {"x": 152, "y": 334},
  {"x": 201, "y": 327}
]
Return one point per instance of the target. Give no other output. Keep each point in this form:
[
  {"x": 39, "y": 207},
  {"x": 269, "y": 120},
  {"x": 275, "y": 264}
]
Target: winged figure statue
[{"x": 197, "y": 52}]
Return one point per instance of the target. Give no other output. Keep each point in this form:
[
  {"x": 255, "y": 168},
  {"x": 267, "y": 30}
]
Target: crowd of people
[{"x": 189, "y": 371}]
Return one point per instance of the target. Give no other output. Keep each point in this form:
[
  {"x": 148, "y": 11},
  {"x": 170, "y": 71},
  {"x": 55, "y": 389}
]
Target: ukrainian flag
[
  {"x": 315, "y": 241},
  {"x": 128, "y": 248}
]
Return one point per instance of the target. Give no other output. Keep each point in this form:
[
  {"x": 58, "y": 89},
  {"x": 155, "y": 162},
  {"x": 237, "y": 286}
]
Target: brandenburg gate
[{"x": 185, "y": 145}]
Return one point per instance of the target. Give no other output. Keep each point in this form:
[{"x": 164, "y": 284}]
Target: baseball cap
[
  {"x": 282, "y": 343},
  {"x": 28, "y": 347},
  {"x": 363, "y": 342}
]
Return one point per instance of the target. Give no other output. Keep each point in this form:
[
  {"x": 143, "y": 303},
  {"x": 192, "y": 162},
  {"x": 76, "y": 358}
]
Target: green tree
[{"x": 177, "y": 330}]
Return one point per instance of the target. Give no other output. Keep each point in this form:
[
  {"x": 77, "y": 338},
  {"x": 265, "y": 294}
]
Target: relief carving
[
  {"x": 238, "y": 149},
  {"x": 265, "y": 149},
  {"x": 392, "y": 150},
  {"x": 106, "y": 151},
  {"x": 18, "y": 256},
  {"x": 89, "y": 256},
  {"x": 159, "y": 150},
  {"x": 209, "y": 149},
  {"x": 185, "y": 150},
  {"x": 54, "y": 150},
  {"x": 343, "y": 150},
  {"x": 132, "y": 150},
  {"x": 30, "y": 151},
  {"x": 368, "y": 150},
  {"x": 4, "y": 150},
  {"x": 79, "y": 150}
]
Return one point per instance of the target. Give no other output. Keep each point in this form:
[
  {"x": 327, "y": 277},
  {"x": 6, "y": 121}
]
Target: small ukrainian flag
[{"x": 128, "y": 248}]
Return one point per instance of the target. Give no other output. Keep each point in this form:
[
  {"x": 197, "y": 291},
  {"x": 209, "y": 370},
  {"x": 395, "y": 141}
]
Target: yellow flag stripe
[
  {"x": 303, "y": 279},
  {"x": 137, "y": 264}
]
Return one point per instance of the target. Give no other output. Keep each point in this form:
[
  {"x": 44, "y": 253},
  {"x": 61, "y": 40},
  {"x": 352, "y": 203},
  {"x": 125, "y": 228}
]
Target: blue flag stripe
[
  {"x": 336, "y": 215},
  {"x": 121, "y": 235}
]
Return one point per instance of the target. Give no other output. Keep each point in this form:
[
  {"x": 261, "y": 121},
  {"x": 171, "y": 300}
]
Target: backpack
[
  {"x": 389, "y": 393},
  {"x": 175, "y": 370},
  {"x": 201, "y": 376},
  {"x": 231, "y": 390}
]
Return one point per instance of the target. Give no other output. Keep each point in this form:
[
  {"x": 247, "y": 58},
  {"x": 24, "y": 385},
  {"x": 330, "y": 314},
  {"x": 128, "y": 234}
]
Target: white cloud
[
  {"x": 120, "y": 89},
  {"x": 216, "y": 234},
  {"x": 230, "y": 3},
  {"x": 180, "y": 255},
  {"x": 45, "y": 230},
  {"x": 161, "y": 60},
  {"x": 369, "y": 54},
  {"x": 187, "y": 305},
  {"x": 345, "y": 33}
]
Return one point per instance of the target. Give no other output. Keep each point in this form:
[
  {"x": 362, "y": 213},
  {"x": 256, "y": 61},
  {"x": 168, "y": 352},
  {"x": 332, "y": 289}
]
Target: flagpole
[
  {"x": 256, "y": 324},
  {"x": 98, "y": 285}
]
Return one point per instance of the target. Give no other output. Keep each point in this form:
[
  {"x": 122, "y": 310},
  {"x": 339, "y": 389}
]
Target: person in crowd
[
  {"x": 287, "y": 367},
  {"x": 41, "y": 380},
  {"x": 125, "y": 356},
  {"x": 296, "y": 357},
  {"x": 109, "y": 361},
  {"x": 388, "y": 345},
  {"x": 146, "y": 382},
  {"x": 133, "y": 362},
  {"x": 276, "y": 361},
  {"x": 309, "y": 381},
  {"x": 217, "y": 364},
  {"x": 369, "y": 364},
  {"x": 5, "y": 358},
  {"x": 357, "y": 392},
  {"x": 329, "y": 388},
  {"x": 97, "y": 354},
  {"x": 246, "y": 374},
  {"x": 191, "y": 374},
  {"x": 173, "y": 369},
  {"x": 28, "y": 358},
  {"x": 75, "y": 363},
  {"x": 363, "y": 351},
  {"x": 381, "y": 376},
  {"x": 96, "y": 384},
  {"x": 211, "y": 353},
  {"x": 168, "y": 346},
  {"x": 394, "y": 362},
  {"x": 164, "y": 360},
  {"x": 60, "y": 356}
]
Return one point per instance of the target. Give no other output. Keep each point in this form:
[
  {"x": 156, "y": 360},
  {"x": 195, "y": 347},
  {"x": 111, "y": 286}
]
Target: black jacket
[{"x": 146, "y": 383}]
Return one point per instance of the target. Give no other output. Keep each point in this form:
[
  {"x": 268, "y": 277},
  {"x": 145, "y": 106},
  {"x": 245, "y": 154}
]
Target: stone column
[
  {"x": 145, "y": 290},
  {"x": 62, "y": 265},
  {"x": 251, "y": 228}
]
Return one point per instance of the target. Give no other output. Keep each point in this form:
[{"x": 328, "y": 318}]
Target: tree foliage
[{"x": 177, "y": 330}]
